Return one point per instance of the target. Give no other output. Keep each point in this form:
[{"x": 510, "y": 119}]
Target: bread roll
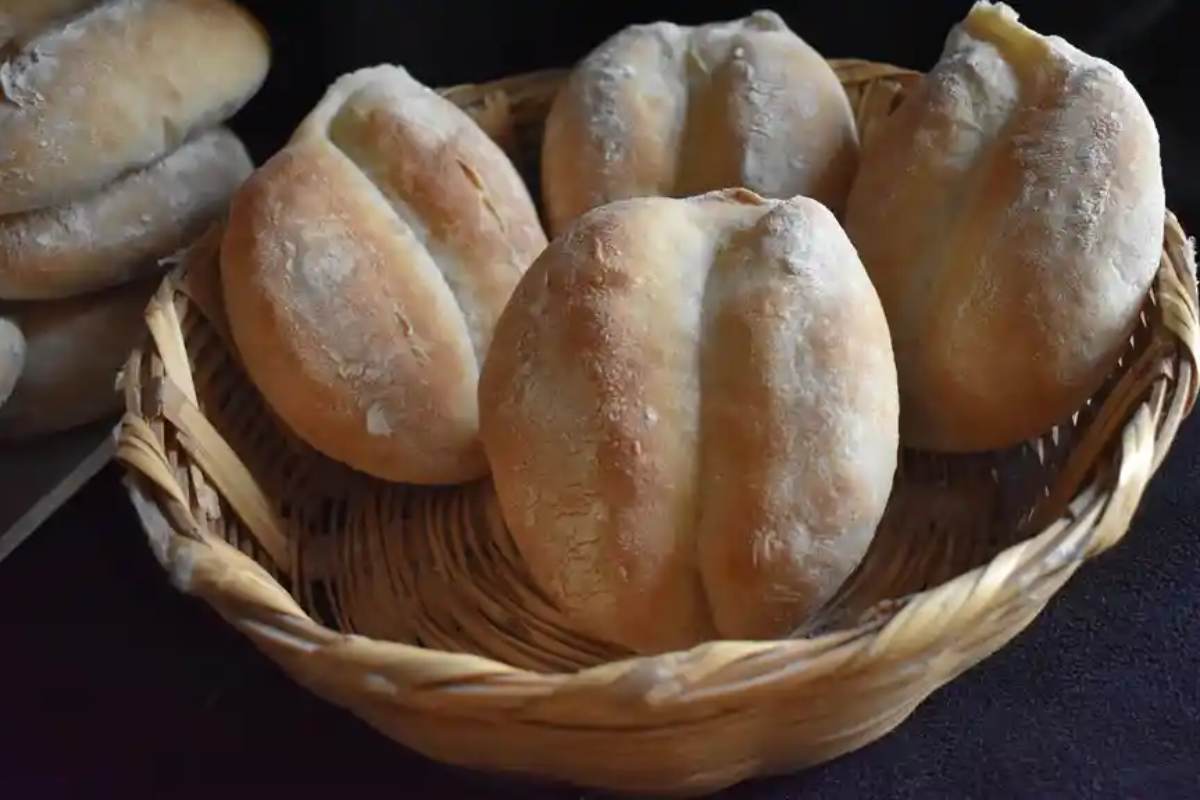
[
  {"x": 118, "y": 234},
  {"x": 12, "y": 357},
  {"x": 364, "y": 267},
  {"x": 669, "y": 110},
  {"x": 74, "y": 349},
  {"x": 1010, "y": 214},
  {"x": 117, "y": 87},
  {"x": 690, "y": 412}
]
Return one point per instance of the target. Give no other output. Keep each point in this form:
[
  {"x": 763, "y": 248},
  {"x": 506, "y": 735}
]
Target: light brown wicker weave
[{"x": 410, "y": 606}]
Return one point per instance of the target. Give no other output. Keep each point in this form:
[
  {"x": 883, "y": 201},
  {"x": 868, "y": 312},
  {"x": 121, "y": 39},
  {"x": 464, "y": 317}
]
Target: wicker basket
[{"x": 410, "y": 606}]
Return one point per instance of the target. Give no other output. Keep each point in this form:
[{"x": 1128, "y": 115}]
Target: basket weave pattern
[{"x": 410, "y": 606}]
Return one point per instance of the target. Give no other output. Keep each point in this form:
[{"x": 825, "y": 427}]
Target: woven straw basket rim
[{"x": 683, "y": 722}]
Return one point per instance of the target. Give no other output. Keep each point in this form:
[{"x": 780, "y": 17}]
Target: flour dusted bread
[
  {"x": 1010, "y": 213},
  {"x": 669, "y": 110},
  {"x": 119, "y": 233},
  {"x": 12, "y": 357},
  {"x": 113, "y": 86},
  {"x": 690, "y": 412},
  {"x": 73, "y": 350},
  {"x": 364, "y": 267}
]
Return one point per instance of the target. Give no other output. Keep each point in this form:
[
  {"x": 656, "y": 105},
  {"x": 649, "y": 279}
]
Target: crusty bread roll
[
  {"x": 1010, "y": 214},
  {"x": 12, "y": 357},
  {"x": 690, "y": 412},
  {"x": 73, "y": 351},
  {"x": 119, "y": 234},
  {"x": 668, "y": 110},
  {"x": 117, "y": 87},
  {"x": 364, "y": 267}
]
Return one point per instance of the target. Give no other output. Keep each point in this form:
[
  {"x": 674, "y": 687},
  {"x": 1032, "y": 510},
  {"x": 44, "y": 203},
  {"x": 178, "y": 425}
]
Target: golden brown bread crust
[
  {"x": 363, "y": 269},
  {"x": 74, "y": 349},
  {"x": 690, "y": 412},
  {"x": 12, "y": 357},
  {"x": 1010, "y": 214},
  {"x": 120, "y": 233},
  {"x": 118, "y": 87},
  {"x": 675, "y": 111}
]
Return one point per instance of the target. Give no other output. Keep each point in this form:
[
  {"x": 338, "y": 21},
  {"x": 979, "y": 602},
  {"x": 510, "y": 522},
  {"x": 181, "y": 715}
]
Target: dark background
[{"x": 114, "y": 685}]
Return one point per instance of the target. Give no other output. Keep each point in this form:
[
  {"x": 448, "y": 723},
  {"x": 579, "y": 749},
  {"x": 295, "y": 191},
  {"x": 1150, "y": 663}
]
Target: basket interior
[{"x": 436, "y": 567}]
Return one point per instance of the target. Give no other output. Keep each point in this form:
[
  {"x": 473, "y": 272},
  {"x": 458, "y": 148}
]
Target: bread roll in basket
[{"x": 410, "y": 607}]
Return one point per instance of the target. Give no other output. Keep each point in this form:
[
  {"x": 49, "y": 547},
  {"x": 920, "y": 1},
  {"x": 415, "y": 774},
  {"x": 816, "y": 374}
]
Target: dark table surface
[{"x": 115, "y": 685}]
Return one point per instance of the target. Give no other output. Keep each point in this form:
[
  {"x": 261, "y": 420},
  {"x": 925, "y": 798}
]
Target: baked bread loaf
[
  {"x": 90, "y": 96},
  {"x": 73, "y": 351},
  {"x": 1010, "y": 213},
  {"x": 674, "y": 111},
  {"x": 690, "y": 413},
  {"x": 364, "y": 267},
  {"x": 12, "y": 357},
  {"x": 119, "y": 233}
]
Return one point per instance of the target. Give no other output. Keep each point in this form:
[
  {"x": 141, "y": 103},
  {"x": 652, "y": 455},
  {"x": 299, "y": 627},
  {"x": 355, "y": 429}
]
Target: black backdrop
[{"x": 115, "y": 685}]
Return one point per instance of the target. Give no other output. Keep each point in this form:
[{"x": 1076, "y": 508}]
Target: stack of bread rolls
[
  {"x": 692, "y": 399},
  {"x": 112, "y": 157}
]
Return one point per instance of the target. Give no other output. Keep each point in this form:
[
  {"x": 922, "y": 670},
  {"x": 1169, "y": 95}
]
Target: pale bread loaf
[
  {"x": 12, "y": 357},
  {"x": 116, "y": 87},
  {"x": 669, "y": 110},
  {"x": 1010, "y": 214},
  {"x": 73, "y": 351},
  {"x": 120, "y": 233},
  {"x": 364, "y": 267},
  {"x": 690, "y": 412}
]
